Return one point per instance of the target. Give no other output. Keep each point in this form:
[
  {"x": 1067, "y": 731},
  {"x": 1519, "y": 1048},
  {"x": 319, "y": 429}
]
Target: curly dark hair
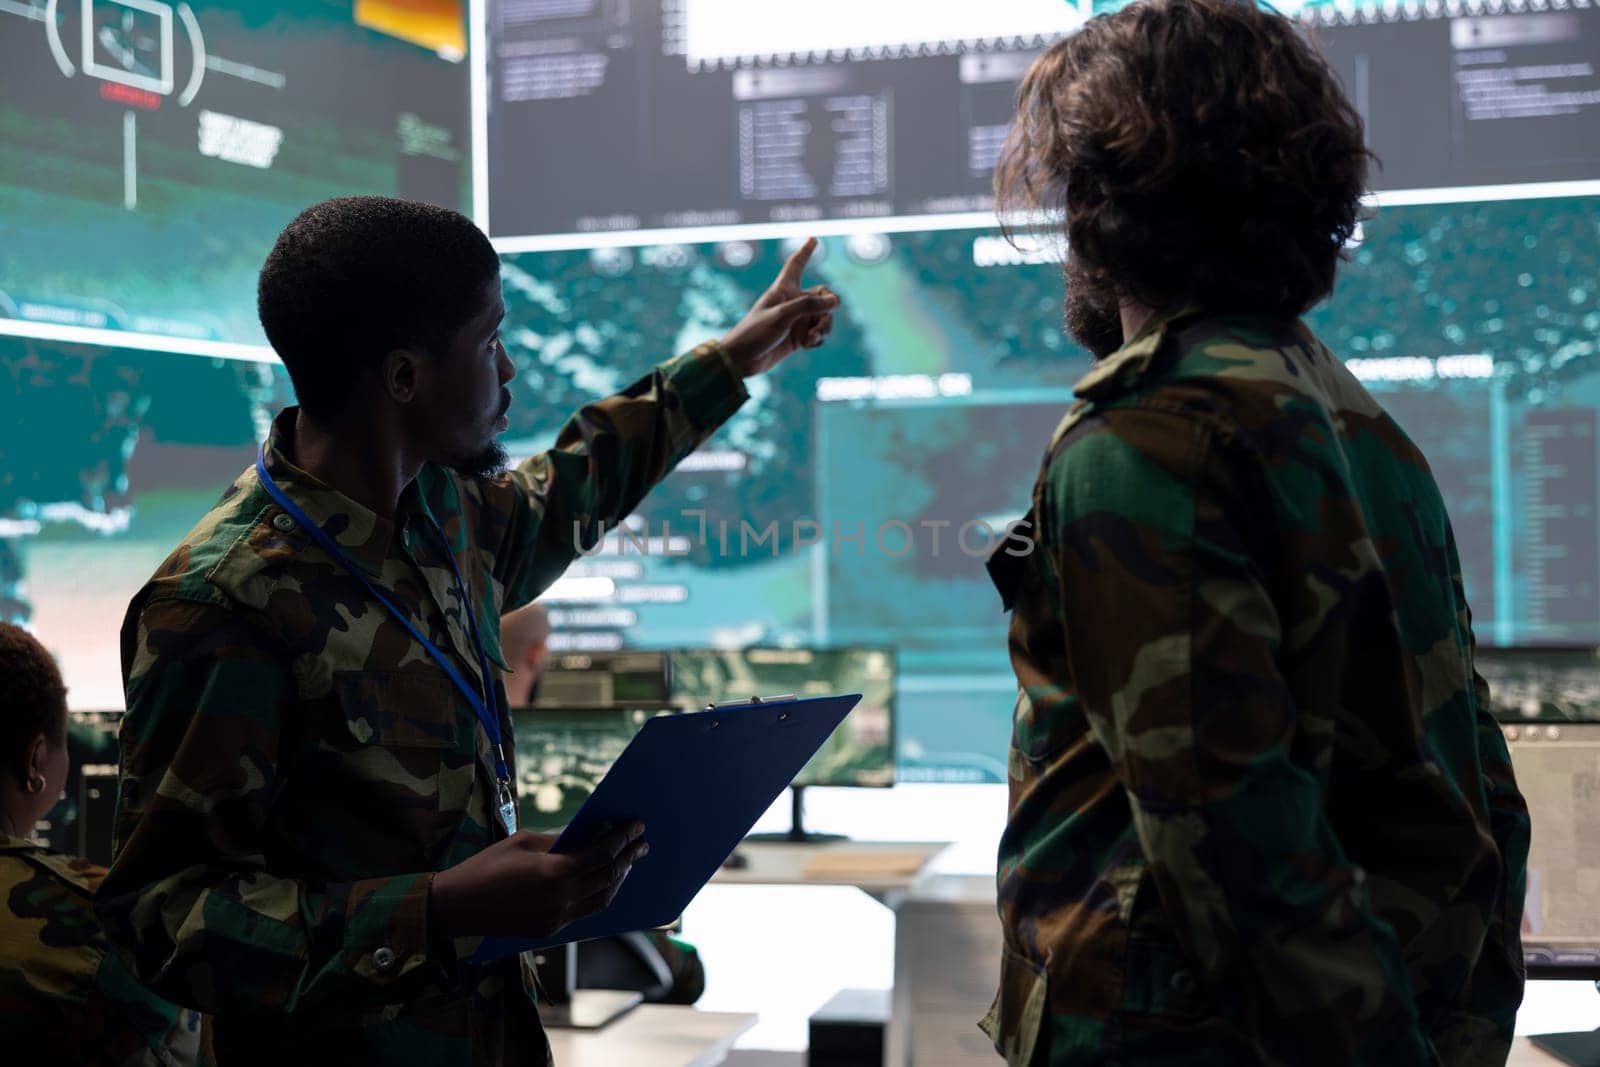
[
  {"x": 354, "y": 277},
  {"x": 1198, "y": 150},
  {"x": 33, "y": 699}
]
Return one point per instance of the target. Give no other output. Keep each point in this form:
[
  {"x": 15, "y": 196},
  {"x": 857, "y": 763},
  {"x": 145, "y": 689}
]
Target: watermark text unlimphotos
[{"x": 895, "y": 538}]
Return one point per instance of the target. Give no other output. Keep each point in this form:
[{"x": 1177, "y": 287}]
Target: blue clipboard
[{"x": 698, "y": 782}]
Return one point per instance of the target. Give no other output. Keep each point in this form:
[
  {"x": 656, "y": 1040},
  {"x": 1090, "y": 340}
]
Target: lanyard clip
[{"x": 506, "y": 805}]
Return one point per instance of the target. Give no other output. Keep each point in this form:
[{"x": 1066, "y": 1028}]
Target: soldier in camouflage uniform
[
  {"x": 1260, "y": 813},
  {"x": 64, "y": 995},
  {"x": 308, "y": 841}
]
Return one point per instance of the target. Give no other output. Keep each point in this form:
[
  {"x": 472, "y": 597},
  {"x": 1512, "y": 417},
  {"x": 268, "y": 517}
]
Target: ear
[
  {"x": 402, "y": 372},
  {"x": 36, "y": 760}
]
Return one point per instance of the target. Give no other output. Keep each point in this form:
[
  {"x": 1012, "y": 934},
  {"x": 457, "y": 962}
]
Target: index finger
[
  {"x": 608, "y": 847},
  {"x": 795, "y": 265}
]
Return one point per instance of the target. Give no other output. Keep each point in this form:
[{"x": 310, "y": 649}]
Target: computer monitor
[
  {"x": 1535, "y": 683},
  {"x": 81, "y": 823},
  {"x": 603, "y": 679},
  {"x": 861, "y": 750},
  {"x": 1547, "y": 699},
  {"x": 1558, "y": 770},
  {"x": 562, "y": 753}
]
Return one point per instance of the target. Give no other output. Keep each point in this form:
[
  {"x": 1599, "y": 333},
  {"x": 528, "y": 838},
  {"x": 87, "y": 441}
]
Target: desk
[
  {"x": 1525, "y": 1054},
  {"x": 784, "y": 863},
  {"x": 653, "y": 1035}
]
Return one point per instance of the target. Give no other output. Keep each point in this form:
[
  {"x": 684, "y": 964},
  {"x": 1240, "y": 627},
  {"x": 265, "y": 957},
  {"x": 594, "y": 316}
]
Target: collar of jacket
[
  {"x": 364, "y": 536},
  {"x": 1122, "y": 368},
  {"x": 1119, "y": 371}
]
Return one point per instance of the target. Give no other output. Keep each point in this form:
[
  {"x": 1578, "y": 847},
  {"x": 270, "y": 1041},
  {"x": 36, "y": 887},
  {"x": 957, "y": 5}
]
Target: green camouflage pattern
[
  {"x": 295, "y": 766},
  {"x": 1259, "y": 812},
  {"x": 64, "y": 993}
]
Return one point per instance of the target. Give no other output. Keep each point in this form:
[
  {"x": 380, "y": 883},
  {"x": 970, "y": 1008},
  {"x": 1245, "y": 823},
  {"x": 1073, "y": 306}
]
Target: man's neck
[
  {"x": 362, "y": 460},
  {"x": 1134, "y": 316}
]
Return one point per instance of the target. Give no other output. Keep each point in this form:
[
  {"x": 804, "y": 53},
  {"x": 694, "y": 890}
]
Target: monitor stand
[
  {"x": 797, "y": 834},
  {"x": 590, "y": 1009},
  {"x": 563, "y": 1005}
]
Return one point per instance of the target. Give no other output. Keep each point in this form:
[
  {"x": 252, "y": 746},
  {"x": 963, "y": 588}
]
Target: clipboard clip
[{"x": 781, "y": 698}]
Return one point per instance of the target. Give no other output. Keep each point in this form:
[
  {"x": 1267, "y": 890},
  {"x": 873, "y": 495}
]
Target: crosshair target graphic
[
  {"x": 136, "y": 50},
  {"x": 129, "y": 42}
]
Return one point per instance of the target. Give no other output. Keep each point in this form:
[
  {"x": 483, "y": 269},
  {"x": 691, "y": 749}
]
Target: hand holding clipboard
[
  {"x": 698, "y": 782},
  {"x": 521, "y": 886}
]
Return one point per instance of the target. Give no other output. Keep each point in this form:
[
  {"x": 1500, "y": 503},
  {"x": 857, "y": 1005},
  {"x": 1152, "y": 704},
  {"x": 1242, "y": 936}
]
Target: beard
[
  {"x": 1093, "y": 317},
  {"x": 488, "y": 461}
]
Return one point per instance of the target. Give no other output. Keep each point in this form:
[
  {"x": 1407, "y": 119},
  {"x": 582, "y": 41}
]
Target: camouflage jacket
[
  {"x": 1260, "y": 812},
  {"x": 295, "y": 767},
  {"x": 63, "y": 992}
]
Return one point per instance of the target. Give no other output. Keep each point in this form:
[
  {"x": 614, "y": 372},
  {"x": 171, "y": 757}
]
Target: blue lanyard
[{"x": 487, "y": 709}]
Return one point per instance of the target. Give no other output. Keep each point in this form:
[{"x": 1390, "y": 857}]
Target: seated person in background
[
  {"x": 524, "y": 639},
  {"x": 1260, "y": 811},
  {"x": 64, "y": 995}
]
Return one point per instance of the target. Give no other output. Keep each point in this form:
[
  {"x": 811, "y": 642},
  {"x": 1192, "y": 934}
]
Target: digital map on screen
[{"x": 1476, "y": 325}]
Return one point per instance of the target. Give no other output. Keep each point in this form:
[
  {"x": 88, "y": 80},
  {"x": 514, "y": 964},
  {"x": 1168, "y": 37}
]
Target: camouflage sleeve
[
  {"x": 606, "y": 458},
  {"x": 191, "y": 896},
  {"x": 1481, "y": 1032},
  {"x": 65, "y": 981},
  {"x": 1173, "y": 643}
]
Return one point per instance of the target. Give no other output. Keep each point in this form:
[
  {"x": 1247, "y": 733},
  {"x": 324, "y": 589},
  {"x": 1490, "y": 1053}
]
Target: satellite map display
[{"x": 1476, "y": 324}]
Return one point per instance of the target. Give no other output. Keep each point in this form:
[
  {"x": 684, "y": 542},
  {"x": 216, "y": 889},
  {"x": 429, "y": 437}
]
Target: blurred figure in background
[
  {"x": 524, "y": 640},
  {"x": 63, "y": 993}
]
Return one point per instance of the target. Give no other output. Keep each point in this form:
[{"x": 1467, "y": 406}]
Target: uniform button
[
  {"x": 1182, "y": 983},
  {"x": 283, "y": 521},
  {"x": 383, "y": 958}
]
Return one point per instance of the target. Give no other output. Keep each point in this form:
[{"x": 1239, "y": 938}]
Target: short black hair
[
  {"x": 33, "y": 699},
  {"x": 353, "y": 278},
  {"x": 1199, "y": 150}
]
